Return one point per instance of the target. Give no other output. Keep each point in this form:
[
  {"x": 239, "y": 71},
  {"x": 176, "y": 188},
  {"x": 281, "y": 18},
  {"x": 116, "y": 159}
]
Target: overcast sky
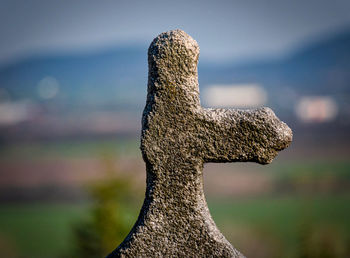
[{"x": 225, "y": 30}]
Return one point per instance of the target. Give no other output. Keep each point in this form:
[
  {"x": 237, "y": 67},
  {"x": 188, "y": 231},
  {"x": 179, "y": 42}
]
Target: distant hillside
[{"x": 118, "y": 77}]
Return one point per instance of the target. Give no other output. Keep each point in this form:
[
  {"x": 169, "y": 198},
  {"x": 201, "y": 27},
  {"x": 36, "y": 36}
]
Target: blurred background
[{"x": 73, "y": 77}]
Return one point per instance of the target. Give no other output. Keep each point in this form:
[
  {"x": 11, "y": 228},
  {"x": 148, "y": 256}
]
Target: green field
[
  {"x": 38, "y": 230},
  {"x": 280, "y": 224},
  {"x": 277, "y": 224},
  {"x": 304, "y": 214}
]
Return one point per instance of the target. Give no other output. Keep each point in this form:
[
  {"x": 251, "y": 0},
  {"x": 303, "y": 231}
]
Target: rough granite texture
[{"x": 178, "y": 137}]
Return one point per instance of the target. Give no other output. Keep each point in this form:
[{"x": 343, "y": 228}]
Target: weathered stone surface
[{"x": 178, "y": 137}]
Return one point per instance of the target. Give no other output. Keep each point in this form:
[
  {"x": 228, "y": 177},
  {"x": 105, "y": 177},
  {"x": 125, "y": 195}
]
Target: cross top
[
  {"x": 172, "y": 58},
  {"x": 178, "y": 137}
]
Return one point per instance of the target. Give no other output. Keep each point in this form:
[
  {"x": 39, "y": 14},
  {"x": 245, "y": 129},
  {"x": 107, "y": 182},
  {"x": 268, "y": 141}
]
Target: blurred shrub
[{"x": 107, "y": 223}]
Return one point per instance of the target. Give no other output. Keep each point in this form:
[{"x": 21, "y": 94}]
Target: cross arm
[{"x": 229, "y": 135}]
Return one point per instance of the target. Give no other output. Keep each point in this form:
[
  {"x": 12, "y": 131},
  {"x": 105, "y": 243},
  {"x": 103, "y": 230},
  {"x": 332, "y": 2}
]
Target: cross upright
[{"x": 178, "y": 137}]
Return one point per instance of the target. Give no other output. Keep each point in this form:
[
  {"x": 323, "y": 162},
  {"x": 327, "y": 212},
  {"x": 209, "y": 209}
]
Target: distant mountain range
[{"x": 117, "y": 78}]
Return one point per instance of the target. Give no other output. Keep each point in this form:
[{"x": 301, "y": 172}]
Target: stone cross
[{"x": 178, "y": 137}]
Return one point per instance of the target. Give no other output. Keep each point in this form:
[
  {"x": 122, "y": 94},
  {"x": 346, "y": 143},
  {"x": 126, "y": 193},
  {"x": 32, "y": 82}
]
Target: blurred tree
[{"x": 107, "y": 223}]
